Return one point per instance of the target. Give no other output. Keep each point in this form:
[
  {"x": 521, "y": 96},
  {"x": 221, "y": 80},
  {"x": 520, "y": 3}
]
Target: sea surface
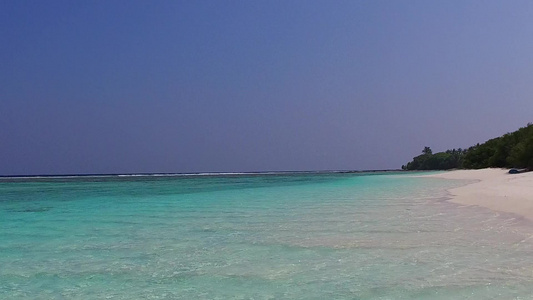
[{"x": 256, "y": 236}]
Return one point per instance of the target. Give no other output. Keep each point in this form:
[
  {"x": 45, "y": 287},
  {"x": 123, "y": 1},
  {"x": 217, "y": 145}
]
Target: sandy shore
[{"x": 495, "y": 189}]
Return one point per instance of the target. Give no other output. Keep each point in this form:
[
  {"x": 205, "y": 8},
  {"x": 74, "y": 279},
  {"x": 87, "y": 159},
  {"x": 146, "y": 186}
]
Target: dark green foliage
[
  {"x": 439, "y": 161},
  {"x": 478, "y": 156},
  {"x": 512, "y": 150},
  {"x": 521, "y": 155}
]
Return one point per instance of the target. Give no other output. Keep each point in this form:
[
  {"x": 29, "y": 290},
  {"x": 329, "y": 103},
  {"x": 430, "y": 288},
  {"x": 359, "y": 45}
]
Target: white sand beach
[{"x": 496, "y": 189}]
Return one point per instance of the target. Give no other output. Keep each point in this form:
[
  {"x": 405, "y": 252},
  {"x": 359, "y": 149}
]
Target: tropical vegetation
[{"x": 511, "y": 150}]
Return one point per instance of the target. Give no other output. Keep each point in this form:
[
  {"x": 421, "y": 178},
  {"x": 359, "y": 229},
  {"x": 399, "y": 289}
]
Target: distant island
[{"x": 511, "y": 150}]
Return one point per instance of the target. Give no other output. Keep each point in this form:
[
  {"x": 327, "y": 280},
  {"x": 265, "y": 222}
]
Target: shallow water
[{"x": 288, "y": 236}]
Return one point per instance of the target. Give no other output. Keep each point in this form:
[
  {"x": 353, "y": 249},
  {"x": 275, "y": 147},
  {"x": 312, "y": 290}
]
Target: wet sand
[{"x": 495, "y": 189}]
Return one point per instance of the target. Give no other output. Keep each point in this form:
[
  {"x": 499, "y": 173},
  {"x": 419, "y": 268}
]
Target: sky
[{"x": 98, "y": 87}]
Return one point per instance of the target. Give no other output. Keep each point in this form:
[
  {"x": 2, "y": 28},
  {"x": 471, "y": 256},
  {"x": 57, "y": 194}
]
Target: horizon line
[{"x": 162, "y": 174}]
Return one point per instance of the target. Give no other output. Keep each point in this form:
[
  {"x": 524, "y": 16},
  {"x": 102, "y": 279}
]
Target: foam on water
[{"x": 291, "y": 236}]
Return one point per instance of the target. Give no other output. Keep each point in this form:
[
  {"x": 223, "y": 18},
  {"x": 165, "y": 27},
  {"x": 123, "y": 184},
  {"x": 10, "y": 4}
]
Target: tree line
[{"x": 511, "y": 150}]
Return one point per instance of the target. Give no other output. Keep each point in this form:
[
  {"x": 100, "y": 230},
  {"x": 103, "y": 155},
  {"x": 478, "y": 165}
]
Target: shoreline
[{"x": 494, "y": 189}]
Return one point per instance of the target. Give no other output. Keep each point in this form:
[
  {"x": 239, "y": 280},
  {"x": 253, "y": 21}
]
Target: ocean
[{"x": 256, "y": 236}]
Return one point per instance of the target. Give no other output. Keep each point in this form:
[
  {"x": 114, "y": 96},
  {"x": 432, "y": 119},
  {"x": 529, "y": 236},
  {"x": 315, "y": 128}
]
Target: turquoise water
[{"x": 289, "y": 236}]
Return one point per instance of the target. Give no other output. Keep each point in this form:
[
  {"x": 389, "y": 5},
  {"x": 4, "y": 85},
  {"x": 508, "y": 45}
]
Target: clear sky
[{"x": 200, "y": 86}]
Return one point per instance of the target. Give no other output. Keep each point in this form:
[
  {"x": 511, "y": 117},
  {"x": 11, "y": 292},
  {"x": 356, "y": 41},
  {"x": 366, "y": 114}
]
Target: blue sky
[{"x": 207, "y": 86}]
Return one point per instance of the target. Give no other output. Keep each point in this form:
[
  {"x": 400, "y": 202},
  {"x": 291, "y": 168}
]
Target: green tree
[{"x": 514, "y": 149}]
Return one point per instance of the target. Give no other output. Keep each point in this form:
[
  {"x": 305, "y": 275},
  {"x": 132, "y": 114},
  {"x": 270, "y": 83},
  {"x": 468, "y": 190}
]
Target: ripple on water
[{"x": 336, "y": 236}]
